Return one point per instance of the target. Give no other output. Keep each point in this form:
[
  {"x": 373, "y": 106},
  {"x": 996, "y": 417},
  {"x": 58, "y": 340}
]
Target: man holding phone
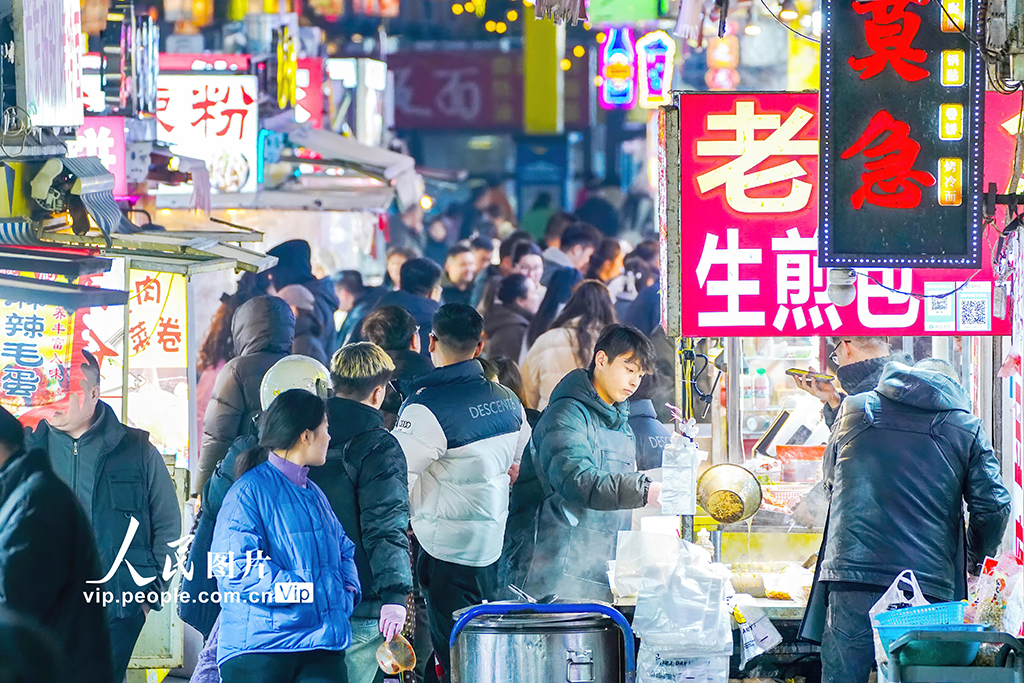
[{"x": 860, "y": 362}]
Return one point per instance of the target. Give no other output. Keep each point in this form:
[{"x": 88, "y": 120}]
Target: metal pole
[{"x": 734, "y": 368}]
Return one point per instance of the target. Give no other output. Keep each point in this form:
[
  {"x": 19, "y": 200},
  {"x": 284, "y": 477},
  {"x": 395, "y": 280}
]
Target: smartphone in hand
[{"x": 807, "y": 374}]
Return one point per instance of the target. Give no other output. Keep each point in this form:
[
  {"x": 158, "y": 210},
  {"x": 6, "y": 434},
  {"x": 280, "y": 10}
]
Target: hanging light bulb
[{"x": 789, "y": 11}]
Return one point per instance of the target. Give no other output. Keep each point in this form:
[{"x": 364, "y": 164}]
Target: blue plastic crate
[{"x": 933, "y": 653}]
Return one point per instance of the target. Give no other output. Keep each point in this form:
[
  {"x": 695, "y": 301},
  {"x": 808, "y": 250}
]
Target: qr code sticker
[
  {"x": 974, "y": 314},
  {"x": 939, "y": 305}
]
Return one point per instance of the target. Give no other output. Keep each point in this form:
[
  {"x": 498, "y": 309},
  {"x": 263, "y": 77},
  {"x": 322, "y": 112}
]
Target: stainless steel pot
[{"x": 555, "y": 643}]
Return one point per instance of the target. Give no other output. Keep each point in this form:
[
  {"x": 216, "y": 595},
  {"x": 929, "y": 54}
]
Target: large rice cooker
[{"x": 542, "y": 643}]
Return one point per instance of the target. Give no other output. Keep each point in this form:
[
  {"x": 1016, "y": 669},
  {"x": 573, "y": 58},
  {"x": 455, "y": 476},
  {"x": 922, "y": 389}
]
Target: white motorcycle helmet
[{"x": 294, "y": 372}]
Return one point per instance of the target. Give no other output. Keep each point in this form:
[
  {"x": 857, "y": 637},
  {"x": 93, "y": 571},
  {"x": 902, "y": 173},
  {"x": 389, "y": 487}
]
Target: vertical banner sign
[
  {"x": 157, "y": 342},
  {"x": 749, "y": 255},
  {"x": 902, "y": 101},
  {"x": 35, "y": 354}
]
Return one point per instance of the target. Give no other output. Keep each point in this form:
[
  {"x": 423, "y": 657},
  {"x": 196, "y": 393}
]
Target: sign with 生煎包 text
[
  {"x": 902, "y": 101},
  {"x": 749, "y": 258}
]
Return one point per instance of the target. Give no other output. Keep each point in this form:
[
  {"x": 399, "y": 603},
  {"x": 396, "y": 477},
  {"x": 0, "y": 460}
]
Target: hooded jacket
[
  {"x": 461, "y": 434},
  {"x": 300, "y": 541},
  {"x": 263, "y": 330},
  {"x": 47, "y": 553},
  {"x": 505, "y": 326},
  {"x": 117, "y": 475},
  {"x": 307, "y": 338},
  {"x": 366, "y": 482},
  {"x": 326, "y": 303},
  {"x": 906, "y": 457},
  {"x": 856, "y": 378},
  {"x": 584, "y": 454},
  {"x": 294, "y": 267}
]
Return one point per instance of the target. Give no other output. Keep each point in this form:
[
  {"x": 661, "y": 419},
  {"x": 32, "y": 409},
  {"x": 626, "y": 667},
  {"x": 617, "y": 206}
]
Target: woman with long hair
[
  {"x": 560, "y": 288},
  {"x": 606, "y": 263},
  {"x": 569, "y": 344},
  {"x": 278, "y": 531},
  {"x": 219, "y": 348}
]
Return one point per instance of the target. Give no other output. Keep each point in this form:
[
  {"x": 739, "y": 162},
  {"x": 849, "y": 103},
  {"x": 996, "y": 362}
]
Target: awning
[
  {"x": 19, "y": 233},
  {"x": 71, "y": 266},
  {"x": 45, "y": 293},
  {"x": 373, "y": 200},
  {"x": 96, "y": 188},
  {"x": 397, "y": 169}
]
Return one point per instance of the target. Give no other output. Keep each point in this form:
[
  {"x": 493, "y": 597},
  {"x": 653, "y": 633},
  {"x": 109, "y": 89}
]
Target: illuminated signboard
[
  {"x": 213, "y": 117},
  {"x": 103, "y": 137},
  {"x": 47, "y": 60},
  {"x": 655, "y": 54},
  {"x": 749, "y": 258},
  {"x": 616, "y": 67},
  {"x": 901, "y": 134}
]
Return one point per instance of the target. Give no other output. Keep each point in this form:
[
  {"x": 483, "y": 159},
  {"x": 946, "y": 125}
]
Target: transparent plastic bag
[
  {"x": 680, "y": 460},
  {"x": 757, "y": 633},
  {"x": 643, "y": 555}
]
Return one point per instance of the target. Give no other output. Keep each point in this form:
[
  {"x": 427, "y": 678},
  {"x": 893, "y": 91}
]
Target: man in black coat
[
  {"x": 366, "y": 481},
  {"x": 395, "y": 330},
  {"x": 294, "y": 267},
  {"x": 47, "y": 553},
  {"x": 902, "y": 463},
  {"x": 128, "y": 497},
  {"x": 419, "y": 294}
]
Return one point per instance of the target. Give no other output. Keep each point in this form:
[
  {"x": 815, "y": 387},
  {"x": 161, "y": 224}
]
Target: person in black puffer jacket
[
  {"x": 902, "y": 463},
  {"x": 294, "y": 267},
  {"x": 263, "y": 329},
  {"x": 366, "y": 482},
  {"x": 394, "y": 329},
  {"x": 47, "y": 553}
]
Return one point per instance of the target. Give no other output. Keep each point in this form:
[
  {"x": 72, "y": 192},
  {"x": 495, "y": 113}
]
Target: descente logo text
[{"x": 493, "y": 408}]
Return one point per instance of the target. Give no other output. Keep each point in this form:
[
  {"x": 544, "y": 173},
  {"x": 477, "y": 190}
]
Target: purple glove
[{"x": 392, "y": 620}]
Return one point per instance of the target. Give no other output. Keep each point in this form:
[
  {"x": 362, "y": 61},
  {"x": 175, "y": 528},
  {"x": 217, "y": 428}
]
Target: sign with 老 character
[
  {"x": 901, "y": 131},
  {"x": 748, "y": 264}
]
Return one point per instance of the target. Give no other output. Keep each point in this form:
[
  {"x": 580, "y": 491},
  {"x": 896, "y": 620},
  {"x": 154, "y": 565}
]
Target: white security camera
[{"x": 842, "y": 289}]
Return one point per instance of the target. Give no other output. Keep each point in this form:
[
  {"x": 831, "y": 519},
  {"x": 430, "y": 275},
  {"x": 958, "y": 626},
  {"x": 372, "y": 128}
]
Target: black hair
[
  {"x": 509, "y": 244},
  {"x": 646, "y": 388},
  {"x": 589, "y": 308},
  {"x": 625, "y": 340},
  {"x": 607, "y": 251},
  {"x": 649, "y": 251},
  {"x": 524, "y": 248},
  {"x": 560, "y": 288},
  {"x": 513, "y": 287},
  {"x": 91, "y": 368},
  {"x": 351, "y": 281},
  {"x": 640, "y": 271},
  {"x": 390, "y": 327},
  {"x": 292, "y": 413},
  {"x": 28, "y": 651},
  {"x": 580, "y": 234},
  {"x": 509, "y": 376},
  {"x": 420, "y": 276},
  {"x": 482, "y": 244},
  {"x": 458, "y": 327},
  {"x": 557, "y": 225},
  {"x": 12, "y": 434},
  {"x": 408, "y": 252},
  {"x": 459, "y": 248}
]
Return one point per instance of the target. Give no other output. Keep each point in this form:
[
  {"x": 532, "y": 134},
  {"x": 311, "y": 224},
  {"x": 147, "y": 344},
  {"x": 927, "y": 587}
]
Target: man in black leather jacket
[{"x": 902, "y": 461}]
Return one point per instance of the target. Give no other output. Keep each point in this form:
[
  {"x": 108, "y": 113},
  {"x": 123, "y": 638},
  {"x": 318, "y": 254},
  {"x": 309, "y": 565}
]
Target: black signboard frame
[{"x": 930, "y": 234}]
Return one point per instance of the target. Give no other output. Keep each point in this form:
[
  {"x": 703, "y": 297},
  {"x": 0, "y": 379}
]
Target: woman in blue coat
[{"x": 285, "y": 569}]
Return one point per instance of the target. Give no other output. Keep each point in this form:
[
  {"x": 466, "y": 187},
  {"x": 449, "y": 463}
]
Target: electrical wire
[
  {"x": 793, "y": 30},
  {"x": 923, "y": 296}
]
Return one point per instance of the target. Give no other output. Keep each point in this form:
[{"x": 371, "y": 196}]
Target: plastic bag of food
[
  {"x": 757, "y": 633},
  {"x": 895, "y": 598},
  {"x": 680, "y": 460}
]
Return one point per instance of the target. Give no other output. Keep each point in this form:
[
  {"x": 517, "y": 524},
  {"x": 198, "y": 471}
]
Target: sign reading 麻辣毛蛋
[
  {"x": 749, "y": 259},
  {"x": 902, "y": 91}
]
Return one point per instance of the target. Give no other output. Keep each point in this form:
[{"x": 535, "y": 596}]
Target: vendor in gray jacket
[
  {"x": 907, "y": 456},
  {"x": 124, "y": 486}
]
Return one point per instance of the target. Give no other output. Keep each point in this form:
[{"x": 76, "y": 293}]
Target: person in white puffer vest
[{"x": 463, "y": 438}]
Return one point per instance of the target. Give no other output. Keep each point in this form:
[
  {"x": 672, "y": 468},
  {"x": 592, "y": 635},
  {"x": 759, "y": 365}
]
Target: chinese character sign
[
  {"x": 103, "y": 137},
  {"x": 157, "y": 346},
  {"x": 901, "y": 142},
  {"x": 749, "y": 263},
  {"x": 48, "y": 46},
  {"x": 212, "y": 117},
  {"x": 35, "y": 354}
]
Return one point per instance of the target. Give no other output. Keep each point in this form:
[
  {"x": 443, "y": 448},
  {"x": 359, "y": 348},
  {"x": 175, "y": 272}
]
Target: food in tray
[{"x": 229, "y": 171}]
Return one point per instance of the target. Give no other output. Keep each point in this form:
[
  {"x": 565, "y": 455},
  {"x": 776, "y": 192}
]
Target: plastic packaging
[
  {"x": 762, "y": 390},
  {"x": 680, "y": 460},
  {"x": 396, "y": 656},
  {"x": 895, "y": 598},
  {"x": 704, "y": 541},
  {"x": 757, "y": 633}
]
